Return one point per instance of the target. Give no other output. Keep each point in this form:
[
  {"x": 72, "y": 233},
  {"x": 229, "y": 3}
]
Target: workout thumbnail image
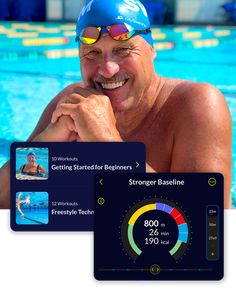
[
  {"x": 32, "y": 208},
  {"x": 32, "y": 163}
]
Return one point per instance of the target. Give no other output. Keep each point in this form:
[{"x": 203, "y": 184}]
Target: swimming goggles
[{"x": 118, "y": 32}]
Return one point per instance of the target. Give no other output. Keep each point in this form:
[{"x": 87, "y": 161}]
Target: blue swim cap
[
  {"x": 31, "y": 154},
  {"x": 108, "y": 12}
]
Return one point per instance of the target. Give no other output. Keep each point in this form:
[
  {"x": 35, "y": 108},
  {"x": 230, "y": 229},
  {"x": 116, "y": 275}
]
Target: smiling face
[
  {"x": 31, "y": 159},
  {"x": 122, "y": 70}
]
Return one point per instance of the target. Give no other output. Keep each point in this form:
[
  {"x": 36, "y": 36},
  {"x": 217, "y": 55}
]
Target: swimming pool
[
  {"x": 33, "y": 216},
  {"x": 44, "y": 61},
  {"x": 36, "y": 211}
]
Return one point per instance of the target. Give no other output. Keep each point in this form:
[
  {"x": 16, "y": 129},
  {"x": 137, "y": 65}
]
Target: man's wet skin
[{"x": 185, "y": 126}]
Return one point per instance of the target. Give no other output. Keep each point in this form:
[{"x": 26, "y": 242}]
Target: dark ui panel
[
  {"x": 158, "y": 227},
  {"x": 62, "y": 198}
]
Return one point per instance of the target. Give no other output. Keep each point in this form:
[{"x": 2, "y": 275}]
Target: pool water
[
  {"x": 45, "y": 60},
  {"x": 33, "y": 216}
]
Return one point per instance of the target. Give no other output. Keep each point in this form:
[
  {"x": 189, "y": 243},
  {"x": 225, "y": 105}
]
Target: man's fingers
[
  {"x": 73, "y": 136},
  {"x": 93, "y": 90},
  {"x": 73, "y": 97},
  {"x": 69, "y": 98},
  {"x": 63, "y": 109},
  {"x": 68, "y": 122},
  {"x": 86, "y": 91},
  {"x": 78, "y": 94}
]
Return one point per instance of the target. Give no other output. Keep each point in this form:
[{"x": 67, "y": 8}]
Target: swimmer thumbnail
[
  {"x": 32, "y": 163},
  {"x": 32, "y": 208}
]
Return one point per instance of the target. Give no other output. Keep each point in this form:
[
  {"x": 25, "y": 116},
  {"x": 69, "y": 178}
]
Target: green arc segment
[{"x": 131, "y": 240}]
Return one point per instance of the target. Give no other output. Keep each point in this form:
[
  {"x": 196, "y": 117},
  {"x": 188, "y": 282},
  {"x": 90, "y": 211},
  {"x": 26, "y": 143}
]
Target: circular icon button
[
  {"x": 155, "y": 269},
  {"x": 101, "y": 201},
  {"x": 212, "y": 181}
]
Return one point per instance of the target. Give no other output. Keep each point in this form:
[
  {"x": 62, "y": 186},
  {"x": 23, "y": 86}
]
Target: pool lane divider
[
  {"x": 222, "y": 33},
  {"x": 206, "y": 43},
  {"x": 45, "y": 41},
  {"x": 164, "y": 45},
  {"x": 60, "y": 53},
  {"x": 158, "y": 36},
  {"x": 36, "y": 221},
  {"x": 191, "y": 35},
  {"x": 22, "y": 34},
  {"x": 34, "y": 55}
]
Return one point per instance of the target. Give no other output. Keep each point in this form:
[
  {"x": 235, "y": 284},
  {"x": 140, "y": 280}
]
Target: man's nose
[{"x": 108, "y": 69}]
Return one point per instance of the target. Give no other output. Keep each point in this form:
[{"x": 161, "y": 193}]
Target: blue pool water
[
  {"x": 33, "y": 216},
  {"x": 31, "y": 75}
]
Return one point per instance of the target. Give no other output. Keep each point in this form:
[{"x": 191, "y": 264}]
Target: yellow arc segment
[{"x": 140, "y": 211}]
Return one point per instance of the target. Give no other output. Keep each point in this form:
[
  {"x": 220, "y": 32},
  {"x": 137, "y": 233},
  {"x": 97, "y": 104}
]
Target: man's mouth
[
  {"x": 111, "y": 85},
  {"x": 116, "y": 88}
]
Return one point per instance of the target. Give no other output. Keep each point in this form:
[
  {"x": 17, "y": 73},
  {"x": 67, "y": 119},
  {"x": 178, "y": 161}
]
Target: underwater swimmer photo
[{"x": 32, "y": 208}]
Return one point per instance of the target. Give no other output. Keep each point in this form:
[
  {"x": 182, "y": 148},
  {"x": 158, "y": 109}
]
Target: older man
[{"x": 186, "y": 126}]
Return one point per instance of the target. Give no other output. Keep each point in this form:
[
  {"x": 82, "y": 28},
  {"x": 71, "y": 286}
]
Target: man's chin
[{"x": 120, "y": 105}]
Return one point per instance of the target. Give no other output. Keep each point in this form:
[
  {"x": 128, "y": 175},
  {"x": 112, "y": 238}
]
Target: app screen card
[
  {"x": 159, "y": 227},
  {"x": 52, "y": 184}
]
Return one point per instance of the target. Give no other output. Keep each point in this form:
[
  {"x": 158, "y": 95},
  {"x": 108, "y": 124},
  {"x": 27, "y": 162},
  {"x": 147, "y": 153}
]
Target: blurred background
[{"x": 194, "y": 40}]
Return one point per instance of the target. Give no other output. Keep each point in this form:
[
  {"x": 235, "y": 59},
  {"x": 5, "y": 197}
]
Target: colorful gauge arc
[{"x": 160, "y": 205}]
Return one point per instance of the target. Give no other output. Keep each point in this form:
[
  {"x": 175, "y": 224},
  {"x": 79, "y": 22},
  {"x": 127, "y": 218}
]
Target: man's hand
[
  {"x": 92, "y": 114},
  {"x": 63, "y": 130}
]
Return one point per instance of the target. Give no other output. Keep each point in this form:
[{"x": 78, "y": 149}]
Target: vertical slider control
[{"x": 212, "y": 232}]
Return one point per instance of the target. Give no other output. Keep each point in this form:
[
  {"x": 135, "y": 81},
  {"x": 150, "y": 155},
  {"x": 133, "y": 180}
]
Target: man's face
[{"x": 122, "y": 70}]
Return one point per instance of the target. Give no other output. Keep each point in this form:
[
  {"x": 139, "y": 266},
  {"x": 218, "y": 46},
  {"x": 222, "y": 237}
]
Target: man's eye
[
  {"x": 92, "y": 54},
  {"x": 123, "y": 51}
]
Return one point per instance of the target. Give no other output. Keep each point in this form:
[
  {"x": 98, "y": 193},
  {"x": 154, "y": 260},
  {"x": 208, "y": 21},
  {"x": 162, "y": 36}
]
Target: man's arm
[
  {"x": 203, "y": 135},
  {"x": 149, "y": 169},
  {"x": 5, "y": 186}
]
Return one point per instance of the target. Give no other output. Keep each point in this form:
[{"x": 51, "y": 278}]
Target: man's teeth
[{"x": 112, "y": 85}]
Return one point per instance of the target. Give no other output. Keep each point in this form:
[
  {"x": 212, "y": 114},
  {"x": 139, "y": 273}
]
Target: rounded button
[{"x": 155, "y": 269}]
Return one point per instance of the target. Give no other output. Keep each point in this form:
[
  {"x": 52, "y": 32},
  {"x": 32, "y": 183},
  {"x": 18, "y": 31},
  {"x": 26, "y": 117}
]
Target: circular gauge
[{"x": 156, "y": 224}]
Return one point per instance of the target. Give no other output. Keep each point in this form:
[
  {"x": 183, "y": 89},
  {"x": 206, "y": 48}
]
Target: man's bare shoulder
[
  {"x": 74, "y": 85},
  {"x": 195, "y": 99},
  {"x": 198, "y": 108},
  {"x": 191, "y": 106},
  {"x": 201, "y": 130},
  {"x": 203, "y": 100},
  {"x": 69, "y": 89}
]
